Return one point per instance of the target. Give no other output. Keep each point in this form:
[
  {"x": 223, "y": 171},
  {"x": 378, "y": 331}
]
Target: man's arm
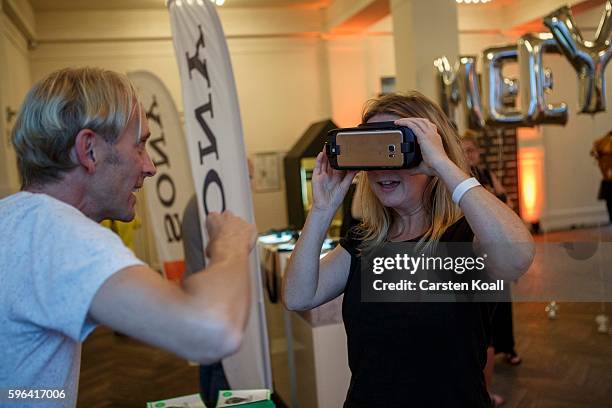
[{"x": 203, "y": 320}]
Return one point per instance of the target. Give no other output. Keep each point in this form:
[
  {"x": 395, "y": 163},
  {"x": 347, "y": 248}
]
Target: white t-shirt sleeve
[{"x": 75, "y": 257}]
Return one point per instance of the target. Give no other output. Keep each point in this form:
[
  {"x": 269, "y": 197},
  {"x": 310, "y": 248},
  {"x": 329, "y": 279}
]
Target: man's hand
[{"x": 228, "y": 234}]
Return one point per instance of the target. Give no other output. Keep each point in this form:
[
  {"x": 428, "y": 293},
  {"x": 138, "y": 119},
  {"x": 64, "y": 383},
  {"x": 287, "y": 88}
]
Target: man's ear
[{"x": 84, "y": 149}]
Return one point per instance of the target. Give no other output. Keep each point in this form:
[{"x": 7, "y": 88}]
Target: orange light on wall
[
  {"x": 531, "y": 188},
  {"x": 346, "y": 69}
]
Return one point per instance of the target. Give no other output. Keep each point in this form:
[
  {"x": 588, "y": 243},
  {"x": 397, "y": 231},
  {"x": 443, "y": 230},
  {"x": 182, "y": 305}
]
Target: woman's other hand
[
  {"x": 430, "y": 143},
  {"x": 329, "y": 186}
]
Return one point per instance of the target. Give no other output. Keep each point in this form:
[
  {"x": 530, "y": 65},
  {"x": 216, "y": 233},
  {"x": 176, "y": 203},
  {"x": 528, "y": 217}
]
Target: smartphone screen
[{"x": 370, "y": 148}]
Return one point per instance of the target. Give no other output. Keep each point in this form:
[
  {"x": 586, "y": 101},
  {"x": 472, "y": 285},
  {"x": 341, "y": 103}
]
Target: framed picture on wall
[{"x": 266, "y": 172}]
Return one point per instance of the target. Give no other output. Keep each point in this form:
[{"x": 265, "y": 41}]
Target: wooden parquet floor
[
  {"x": 118, "y": 372},
  {"x": 566, "y": 362}
]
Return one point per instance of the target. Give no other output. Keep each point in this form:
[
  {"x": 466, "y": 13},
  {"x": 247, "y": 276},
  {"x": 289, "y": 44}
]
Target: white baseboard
[{"x": 567, "y": 218}]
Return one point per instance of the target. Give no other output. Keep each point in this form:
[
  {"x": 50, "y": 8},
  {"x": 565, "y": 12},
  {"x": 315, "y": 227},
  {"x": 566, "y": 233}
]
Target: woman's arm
[
  {"x": 498, "y": 231},
  {"x": 308, "y": 283}
]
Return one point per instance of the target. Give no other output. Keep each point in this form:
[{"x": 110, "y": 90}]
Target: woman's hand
[
  {"x": 430, "y": 143},
  {"x": 329, "y": 186}
]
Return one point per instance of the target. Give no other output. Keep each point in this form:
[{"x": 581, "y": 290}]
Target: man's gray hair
[{"x": 57, "y": 108}]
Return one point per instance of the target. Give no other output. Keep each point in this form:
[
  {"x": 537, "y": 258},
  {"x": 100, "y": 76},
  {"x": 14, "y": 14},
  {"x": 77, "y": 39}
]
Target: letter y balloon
[{"x": 589, "y": 58}]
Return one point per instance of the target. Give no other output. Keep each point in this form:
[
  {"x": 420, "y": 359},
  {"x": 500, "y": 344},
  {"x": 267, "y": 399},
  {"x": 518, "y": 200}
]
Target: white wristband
[{"x": 463, "y": 187}]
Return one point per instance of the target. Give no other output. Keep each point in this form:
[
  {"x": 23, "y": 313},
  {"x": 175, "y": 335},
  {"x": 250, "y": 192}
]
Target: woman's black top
[{"x": 414, "y": 354}]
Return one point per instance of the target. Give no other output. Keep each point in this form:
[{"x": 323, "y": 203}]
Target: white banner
[
  {"x": 218, "y": 160},
  {"x": 170, "y": 189}
]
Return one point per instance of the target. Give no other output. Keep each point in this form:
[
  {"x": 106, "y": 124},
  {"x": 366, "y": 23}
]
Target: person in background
[
  {"x": 411, "y": 353},
  {"x": 502, "y": 333},
  {"x": 212, "y": 376},
  {"x": 81, "y": 145},
  {"x": 602, "y": 151},
  {"x": 488, "y": 179}
]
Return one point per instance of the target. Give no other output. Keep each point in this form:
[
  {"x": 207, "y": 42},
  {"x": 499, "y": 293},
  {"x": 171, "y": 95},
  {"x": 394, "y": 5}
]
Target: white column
[
  {"x": 422, "y": 31},
  {"x": 7, "y": 184},
  {"x": 16, "y": 25},
  {"x": 347, "y": 85}
]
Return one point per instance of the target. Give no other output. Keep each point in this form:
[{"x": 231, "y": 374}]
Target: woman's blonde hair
[
  {"x": 57, "y": 108},
  {"x": 437, "y": 203}
]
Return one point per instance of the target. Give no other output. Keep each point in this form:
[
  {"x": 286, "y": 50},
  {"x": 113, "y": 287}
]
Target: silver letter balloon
[{"x": 589, "y": 58}]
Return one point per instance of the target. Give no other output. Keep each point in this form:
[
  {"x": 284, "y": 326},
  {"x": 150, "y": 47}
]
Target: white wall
[
  {"x": 379, "y": 62},
  {"x": 356, "y": 65},
  {"x": 281, "y": 84},
  {"x": 571, "y": 176},
  {"x": 288, "y": 76},
  {"x": 282, "y": 90},
  {"x": 348, "y": 81}
]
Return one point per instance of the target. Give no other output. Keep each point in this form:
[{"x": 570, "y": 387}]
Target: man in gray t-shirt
[{"x": 80, "y": 141}]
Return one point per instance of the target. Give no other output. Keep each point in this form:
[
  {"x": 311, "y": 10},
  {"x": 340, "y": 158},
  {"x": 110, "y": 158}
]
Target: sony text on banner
[
  {"x": 218, "y": 161},
  {"x": 172, "y": 186}
]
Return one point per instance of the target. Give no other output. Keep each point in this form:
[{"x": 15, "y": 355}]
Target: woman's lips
[{"x": 389, "y": 185}]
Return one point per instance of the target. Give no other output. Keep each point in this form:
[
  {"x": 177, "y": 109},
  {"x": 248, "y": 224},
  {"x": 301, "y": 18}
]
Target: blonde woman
[{"x": 408, "y": 354}]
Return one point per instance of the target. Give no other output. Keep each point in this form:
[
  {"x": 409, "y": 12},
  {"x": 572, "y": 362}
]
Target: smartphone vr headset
[{"x": 373, "y": 146}]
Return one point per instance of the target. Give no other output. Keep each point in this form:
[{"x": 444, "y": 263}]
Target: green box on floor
[
  {"x": 188, "y": 401},
  {"x": 245, "y": 398}
]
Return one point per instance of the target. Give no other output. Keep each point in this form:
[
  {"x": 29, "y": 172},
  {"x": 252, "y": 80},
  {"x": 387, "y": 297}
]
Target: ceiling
[{"x": 63, "y": 5}]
